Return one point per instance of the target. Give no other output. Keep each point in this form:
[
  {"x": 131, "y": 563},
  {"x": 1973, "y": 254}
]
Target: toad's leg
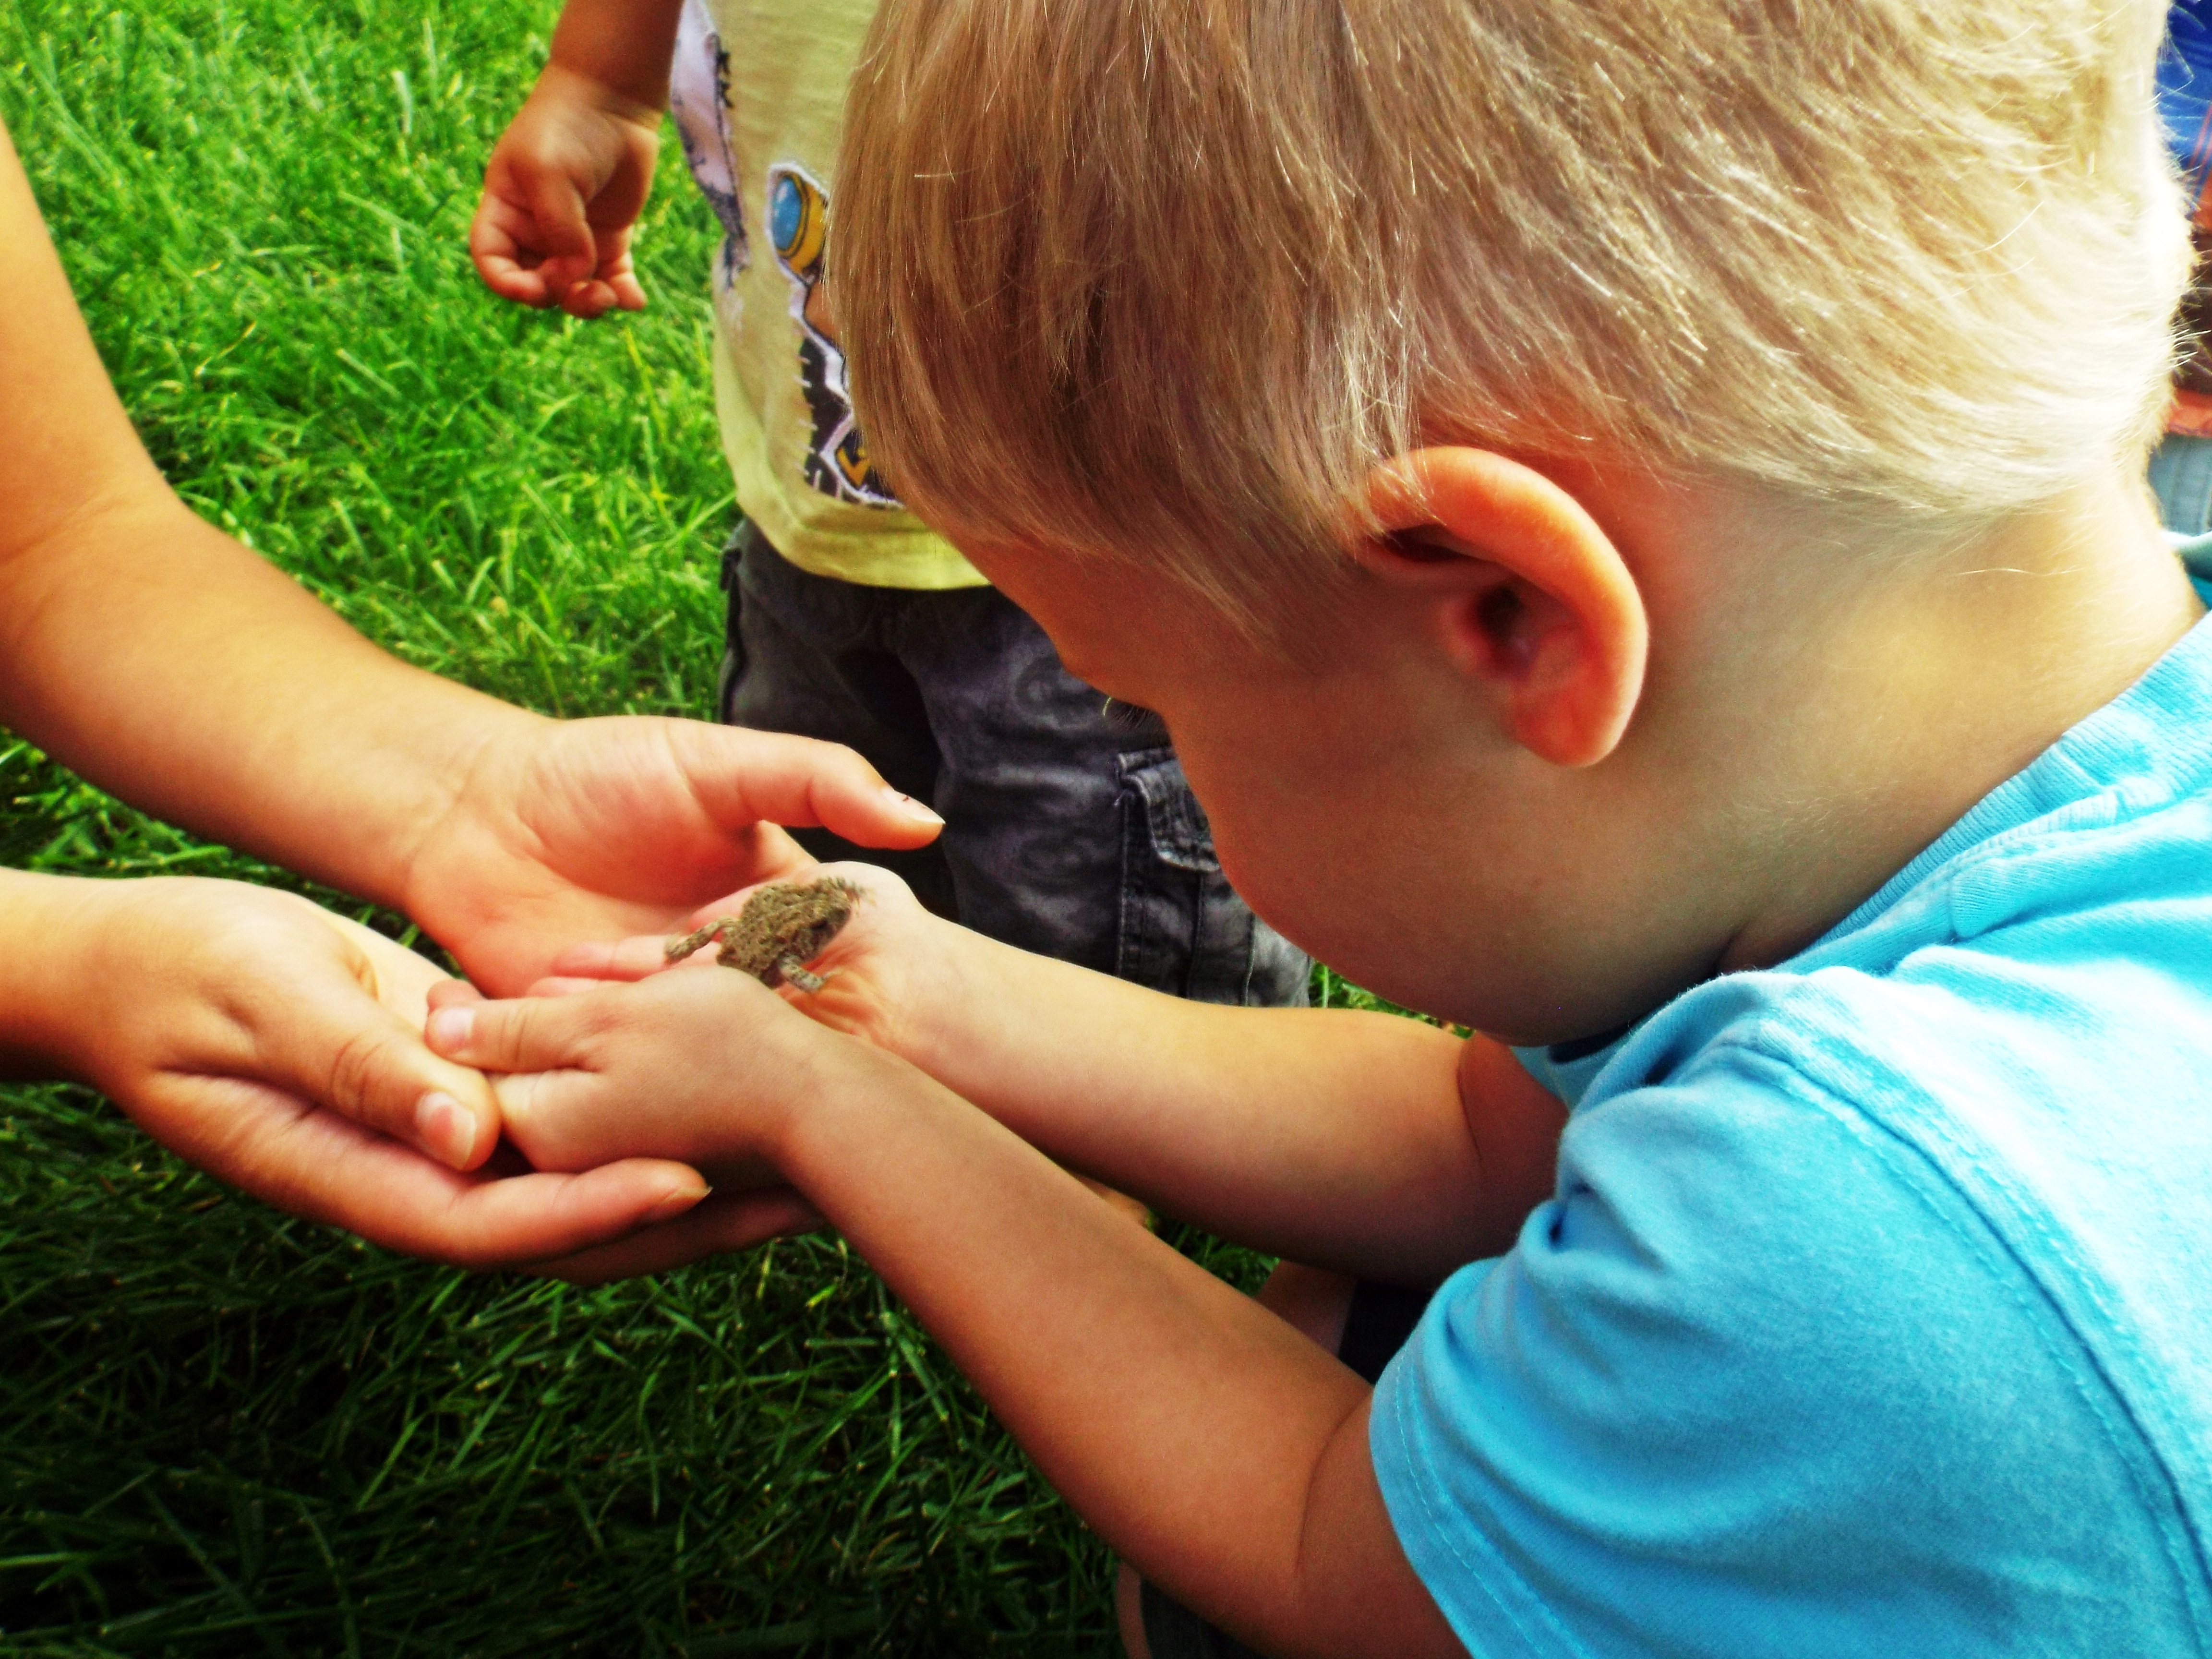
[
  {"x": 679, "y": 949},
  {"x": 795, "y": 972}
]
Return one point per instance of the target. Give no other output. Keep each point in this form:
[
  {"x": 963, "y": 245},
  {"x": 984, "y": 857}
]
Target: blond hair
[{"x": 1166, "y": 277}]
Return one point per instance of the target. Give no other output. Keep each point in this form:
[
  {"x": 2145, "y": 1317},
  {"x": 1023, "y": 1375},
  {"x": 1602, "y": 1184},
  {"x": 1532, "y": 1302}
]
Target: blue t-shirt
[{"x": 1872, "y": 1313}]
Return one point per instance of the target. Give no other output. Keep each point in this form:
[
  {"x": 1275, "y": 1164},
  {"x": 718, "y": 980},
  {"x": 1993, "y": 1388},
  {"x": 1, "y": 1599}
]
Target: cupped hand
[
  {"x": 597, "y": 829},
  {"x": 562, "y": 192},
  {"x": 890, "y": 972},
  {"x": 278, "y": 1047}
]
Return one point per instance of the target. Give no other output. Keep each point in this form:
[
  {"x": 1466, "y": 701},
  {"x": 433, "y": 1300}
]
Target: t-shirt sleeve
[{"x": 1756, "y": 1381}]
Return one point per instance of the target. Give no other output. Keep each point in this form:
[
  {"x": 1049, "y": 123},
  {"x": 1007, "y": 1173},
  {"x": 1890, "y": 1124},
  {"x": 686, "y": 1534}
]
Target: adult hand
[
  {"x": 279, "y": 1048},
  {"x": 596, "y": 829}
]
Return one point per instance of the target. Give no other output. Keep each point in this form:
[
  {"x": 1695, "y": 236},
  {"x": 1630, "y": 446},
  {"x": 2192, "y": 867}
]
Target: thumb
[
  {"x": 742, "y": 777},
  {"x": 335, "y": 1043}
]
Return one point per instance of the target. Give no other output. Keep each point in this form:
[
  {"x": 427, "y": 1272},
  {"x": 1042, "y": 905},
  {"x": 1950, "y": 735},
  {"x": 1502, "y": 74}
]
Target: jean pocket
[
  {"x": 1183, "y": 928},
  {"x": 1174, "y": 821}
]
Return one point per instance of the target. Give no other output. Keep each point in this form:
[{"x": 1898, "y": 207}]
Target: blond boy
[{"x": 1631, "y": 514}]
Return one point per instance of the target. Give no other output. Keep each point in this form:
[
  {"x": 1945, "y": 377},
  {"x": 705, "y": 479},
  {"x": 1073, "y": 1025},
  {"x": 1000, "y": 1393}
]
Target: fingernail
[
  {"x": 676, "y": 1202},
  {"x": 445, "y": 1128},
  {"x": 450, "y": 1028},
  {"x": 910, "y": 807}
]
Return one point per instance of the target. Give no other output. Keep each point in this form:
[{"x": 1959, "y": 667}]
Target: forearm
[
  {"x": 1365, "y": 1142},
  {"x": 161, "y": 661},
  {"x": 624, "y": 46},
  {"x": 1214, "y": 1448}
]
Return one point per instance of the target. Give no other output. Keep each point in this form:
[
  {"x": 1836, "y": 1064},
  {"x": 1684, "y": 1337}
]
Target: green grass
[
  {"x": 233, "y": 1433},
  {"x": 263, "y": 208}
]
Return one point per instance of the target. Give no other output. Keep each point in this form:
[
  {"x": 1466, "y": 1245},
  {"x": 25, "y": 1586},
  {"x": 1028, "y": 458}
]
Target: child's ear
[{"x": 1532, "y": 598}]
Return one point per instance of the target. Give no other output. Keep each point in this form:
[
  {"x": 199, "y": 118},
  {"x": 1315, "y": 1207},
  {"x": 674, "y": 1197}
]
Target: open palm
[{"x": 597, "y": 829}]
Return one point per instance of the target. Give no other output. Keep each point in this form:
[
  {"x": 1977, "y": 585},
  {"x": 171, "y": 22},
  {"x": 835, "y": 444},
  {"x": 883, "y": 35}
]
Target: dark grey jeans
[
  {"x": 1067, "y": 832},
  {"x": 2181, "y": 478}
]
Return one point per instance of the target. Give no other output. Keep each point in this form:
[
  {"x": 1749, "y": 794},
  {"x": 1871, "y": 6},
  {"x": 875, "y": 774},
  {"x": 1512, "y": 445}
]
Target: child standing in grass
[
  {"x": 1070, "y": 830},
  {"x": 1632, "y": 512}
]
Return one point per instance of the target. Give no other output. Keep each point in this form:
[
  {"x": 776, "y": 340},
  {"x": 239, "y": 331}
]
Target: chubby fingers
[
  {"x": 628, "y": 1070},
  {"x": 564, "y": 234},
  {"x": 611, "y": 285},
  {"x": 617, "y": 275},
  {"x": 530, "y": 241},
  {"x": 499, "y": 246},
  {"x": 537, "y": 1050}
]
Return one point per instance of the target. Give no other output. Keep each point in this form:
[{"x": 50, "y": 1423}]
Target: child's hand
[
  {"x": 892, "y": 970},
  {"x": 279, "y": 1048},
  {"x": 155, "y": 987},
  {"x": 564, "y": 188},
  {"x": 708, "y": 1061}
]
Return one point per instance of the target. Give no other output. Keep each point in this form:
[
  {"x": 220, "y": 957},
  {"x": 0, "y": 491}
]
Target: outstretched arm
[
  {"x": 1362, "y": 1142},
  {"x": 267, "y": 1040},
  {"x": 1220, "y": 1452},
  {"x": 169, "y": 665}
]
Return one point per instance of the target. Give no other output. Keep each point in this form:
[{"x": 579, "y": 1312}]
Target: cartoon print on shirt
[
  {"x": 699, "y": 98},
  {"x": 798, "y": 225}
]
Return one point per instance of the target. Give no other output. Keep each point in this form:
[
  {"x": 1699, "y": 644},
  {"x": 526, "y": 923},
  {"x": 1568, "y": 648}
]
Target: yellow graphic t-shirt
[{"x": 758, "y": 93}]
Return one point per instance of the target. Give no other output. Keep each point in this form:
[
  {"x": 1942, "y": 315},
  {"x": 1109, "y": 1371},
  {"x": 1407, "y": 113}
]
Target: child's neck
[{"x": 1918, "y": 694}]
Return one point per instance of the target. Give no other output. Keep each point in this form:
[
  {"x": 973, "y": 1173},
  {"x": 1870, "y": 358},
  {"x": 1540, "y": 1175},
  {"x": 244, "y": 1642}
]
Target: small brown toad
[{"x": 781, "y": 929}]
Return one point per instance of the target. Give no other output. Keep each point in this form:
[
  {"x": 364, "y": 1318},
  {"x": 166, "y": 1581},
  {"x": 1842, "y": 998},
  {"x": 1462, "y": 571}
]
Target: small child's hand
[
  {"x": 709, "y": 1061},
  {"x": 171, "y": 991},
  {"x": 887, "y": 972},
  {"x": 561, "y": 192},
  {"x": 277, "y": 1045}
]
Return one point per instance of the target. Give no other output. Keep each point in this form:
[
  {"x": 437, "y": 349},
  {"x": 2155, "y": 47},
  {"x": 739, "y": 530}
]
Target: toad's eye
[{"x": 1132, "y": 720}]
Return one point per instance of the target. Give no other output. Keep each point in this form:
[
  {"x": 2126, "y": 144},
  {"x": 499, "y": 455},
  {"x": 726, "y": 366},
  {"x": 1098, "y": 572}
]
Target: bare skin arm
[
  {"x": 1358, "y": 1142},
  {"x": 1361, "y": 1142},
  {"x": 172, "y": 665},
  {"x": 168, "y": 664},
  {"x": 565, "y": 182},
  {"x": 164, "y": 661},
  {"x": 1216, "y": 1449},
  {"x": 1219, "y": 1452}
]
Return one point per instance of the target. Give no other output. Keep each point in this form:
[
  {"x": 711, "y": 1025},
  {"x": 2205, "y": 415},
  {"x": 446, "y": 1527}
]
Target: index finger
[{"x": 526, "y": 1033}]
